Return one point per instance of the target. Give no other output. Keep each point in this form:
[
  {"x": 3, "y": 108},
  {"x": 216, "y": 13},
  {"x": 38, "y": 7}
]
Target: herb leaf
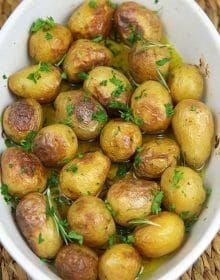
[
  {"x": 100, "y": 116},
  {"x": 93, "y": 4},
  {"x": 73, "y": 235},
  {"x": 70, "y": 109},
  {"x": 26, "y": 144},
  {"x": 82, "y": 75},
  {"x": 123, "y": 169},
  {"x": 48, "y": 36},
  {"x": 73, "y": 168},
  {"x": 112, "y": 240},
  {"x": 40, "y": 238},
  {"x": 162, "y": 80},
  {"x": 110, "y": 209},
  {"x": 135, "y": 34},
  {"x": 169, "y": 110},
  {"x": 177, "y": 177},
  {"x": 98, "y": 39},
  {"x": 112, "y": 5},
  {"x": 44, "y": 24},
  {"x": 158, "y": 198},
  {"x": 7, "y": 197},
  {"x": 120, "y": 87},
  {"x": 163, "y": 61}
]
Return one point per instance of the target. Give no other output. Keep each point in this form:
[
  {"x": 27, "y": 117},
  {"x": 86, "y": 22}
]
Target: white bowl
[{"x": 189, "y": 29}]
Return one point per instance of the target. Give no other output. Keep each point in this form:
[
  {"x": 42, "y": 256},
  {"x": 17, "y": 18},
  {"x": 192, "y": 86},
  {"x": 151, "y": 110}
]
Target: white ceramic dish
[{"x": 189, "y": 29}]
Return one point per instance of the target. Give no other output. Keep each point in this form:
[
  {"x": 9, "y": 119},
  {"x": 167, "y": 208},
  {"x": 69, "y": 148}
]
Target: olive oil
[{"x": 151, "y": 265}]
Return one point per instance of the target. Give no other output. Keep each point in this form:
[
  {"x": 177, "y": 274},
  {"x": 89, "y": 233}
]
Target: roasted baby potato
[
  {"x": 119, "y": 139},
  {"x": 89, "y": 217},
  {"x": 22, "y": 117},
  {"x": 22, "y": 172},
  {"x": 55, "y": 144},
  {"x": 154, "y": 241},
  {"x": 40, "y": 82},
  {"x": 83, "y": 56},
  {"x": 193, "y": 127},
  {"x": 84, "y": 175},
  {"x": 152, "y": 103},
  {"x": 77, "y": 262},
  {"x": 85, "y": 147},
  {"x": 82, "y": 112},
  {"x": 49, "y": 114},
  {"x": 38, "y": 229}
]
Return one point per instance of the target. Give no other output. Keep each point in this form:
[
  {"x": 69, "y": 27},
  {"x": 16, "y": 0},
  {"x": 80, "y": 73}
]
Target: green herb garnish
[
  {"x": 169, "y": 110},
  {"x": 142, "y": 94},
  {"x": 53, "y": 180},
  {"x": 73, "y": 168},
  {"x": 177, "y": 177},
  {"x": 7, "y": 197},
  {"x": 163, "y": 61},
  {"x": 100, "y": 116},
  {"x": 120, "y": 87},
  {"x": 70, "y": 109},
  {"x": 82, "y": 75},
  {"x": 61, "y": 61},
  {"x": 190, "y": 222},
  {"x": 73, "y": 235},
  {"x": 162, "y": 80},
  {"x": 40, "y": 238},
  {"x": 9, "y": 143},
  {"x": 48, "y": 36},
  {"x": 112, "y": 5},
  {"x": 4, "y": 77},
  {"x": 93, "y": 4},
  {"x": 123, "y": 169},
  {"x": 42, "y": 67},
  {"x": 26, "y": 144},
  {"x": 64, "y": 76},
  {"x": 112, "y": 240},
  {"x": 193, "y": 108},
  {"x": 44, "y": 24},
  {"x": 156, "y": 203},
  {"x": 98, "y": 39},
  {"x": 137, "y": 161},
  {"x": 135, "y": 35},
  {"x": 104, "y": 83},
  {"x": 110, "y": 209}
]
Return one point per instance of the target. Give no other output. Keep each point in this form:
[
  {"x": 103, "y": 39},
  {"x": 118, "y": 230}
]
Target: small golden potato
[
  {"x": 156, "y": 241},
  {"x": 121, "y": 261},
  {"x": 185, "y": 82},
  {"x": 75, "y": 262},
  {"x": 131, "y": 199},
  {"x": 49, "y": 114},
  {"x": 40, "y": 82},
  {"x": 89, "y": 216},
  {"x": 193, "y": 127},
  {"x": 38, "y": 229},
  {"x": 55, "y": 144},
  {"x": 88, "y": 146},
  {"x": 84, "y": 175},
  {"x": 22, "y": 172},
  {"x": 22, "y": 117},
  {"x": 83, "y": 56},
  {"x": 155, "y": 156},
  {"x": 152, "y": 103}
]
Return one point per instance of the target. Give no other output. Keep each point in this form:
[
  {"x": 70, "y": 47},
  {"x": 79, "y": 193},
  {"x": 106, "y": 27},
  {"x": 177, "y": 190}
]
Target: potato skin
[
  {"x": 32, "y": 221},
  {"x": 51, "y": 51},
  {"x": 91, "y": 173},
  {"x": 22, "y": 172},
  {"x": 83, "y": 56},
  {"x": 131, "y": 199},
  {"x": 121, "y": 261},
  {"x": 75, "y": 262},
  {"x": 148, "y": 103},
  {"x": 96, "y": 226},
  {"x": 54, "y": 144},
  {"x": 156, "y": 241},
  {"x": 193, "y": 127},
  {"x": 119, "y": 139},
  {"x": 22, "y": 117},
  {"x": 44, "y": 90}
]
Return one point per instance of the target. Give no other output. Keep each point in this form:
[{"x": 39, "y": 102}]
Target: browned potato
[
  {"x": 82, "y": 112},
  {"x": 55, "y": 144},
  {"x": 131, "y": 199},
  {"x": 75, "y": 262},
  {"x": 38, "y": 229},
  {"x": 155, "y": 156},
  {"x": 89, "y": 217},
  {"x": 121, "y": 261},
  {"x": 154, "y": 241},
  {"x": 120, "y": 139},
  {"x": 22, "y": 172},
  {"x": 22, "y": 117},
  {"x": 83, "y": 56}
]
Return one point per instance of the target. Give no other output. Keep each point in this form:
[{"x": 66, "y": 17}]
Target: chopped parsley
[
  {"x": 53, "y": 180},
  {"x": 48, "y": 36},
  {"x": 172, "y": 207},
  {"x": 139, "y": 149},
  {"x": 129, "y": 239},
  {"x": 98, "y": 39},
  {"x": 42, "y": 67},
  {"x": 163, "y": 61},
  {"x": 120, "y": 87},
  {"x": 83, "y": 76},
  {"x": 190, "y": 222},
  {"x": 4, "y": 77},
  {"x": 40, "y": 238},
  {"x": 208, "y": 192},
  {"x": 70, "y": 109},
  {"x": 104, "y": 83},
  {"x": 64, "y": 75},
  {"x": 137, "y": 161},
  {"x": 110, "y": 209},
  {"x": 93, "y": 4},
  {"x": 67, "y": 122},
  {"x": 80, "y": 155},
  {"x": 169, "y": 110},
  {"x": 27, "y": 144},
  {"x": 156, "y": 203},
  {"x": 100, "y": 116},
  {"x": 9, "y": 143},
  {"x": 73, "y": 168},
  {"x": 135, "y": 34},
  {"x": 112, "y": 240},
  {"x": 73, "y": 235},
  {"x": 177, "y": 177},
  {"x": 7, "y": 197},
  {"x": 112, "y": 5},
  {"x": 123, "y": 169},
  {"x": 142, "y": 94},
  {"x": 44, "y": 24},
  {"x": 193, "y": 108},
  {"x": 10, "y": 165}
]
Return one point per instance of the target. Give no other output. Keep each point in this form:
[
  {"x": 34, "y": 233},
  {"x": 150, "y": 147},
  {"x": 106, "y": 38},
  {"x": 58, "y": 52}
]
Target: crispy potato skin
[
  {"x": 75, "y": 262},
  {"x": 148, "y": 103},
  {"x": 90, "y": 217},
  {"x": 83, "y": 56},
  {"x": 156, "y": 241},
  {"x": 22, "y": 172},
  {"x": 156, "y": 156},
  {"x": 131, "y": 199},
  {"x": 121, "y": 261},
  {"x": 51, "y": 51},
  {"x": 119, "y": 139},
  {"x": 22, "y": 117},
  {"x": 193, "y": 127},
  {"x": 44, "y": 90},
  {"x": 55, "y": 143},
  {"x": 91, "y": 173},
  {"x": 189, "y": 194},
  {"x": 32, "y": 222}
]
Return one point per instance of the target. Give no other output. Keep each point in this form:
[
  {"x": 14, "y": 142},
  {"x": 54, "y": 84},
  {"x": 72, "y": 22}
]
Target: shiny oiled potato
[
  {"x": 134, "y": 21},
  {"x": 89, "y": 216},
  {"x": 131, "y": 199},
  {"x": 154, "y": 241},
  {"x": 38, "y": 229},
  {"x": 84, "y": 175},
  {"x": 22, "y": 172},
  {"x": 22, "y": 117},
  {"x": 75, "y": 262},
  {"x": 107, "y": 84},
  {"x": 82, "y": 112},
  {"x": 193, "y": 127},
  {"x": 91, "y": 19},
  {"x": 40, "y": 82},
  {"x": 121, "y": 261},
  {"x": 83, "y": 56},
  {"x": 155, "y": 156},
  {"x": 151, "y": 102},
  {"x": 183, "y": 191},
  {"x": 185, "y": 82},
  {"x": 55, "y": 144}
]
